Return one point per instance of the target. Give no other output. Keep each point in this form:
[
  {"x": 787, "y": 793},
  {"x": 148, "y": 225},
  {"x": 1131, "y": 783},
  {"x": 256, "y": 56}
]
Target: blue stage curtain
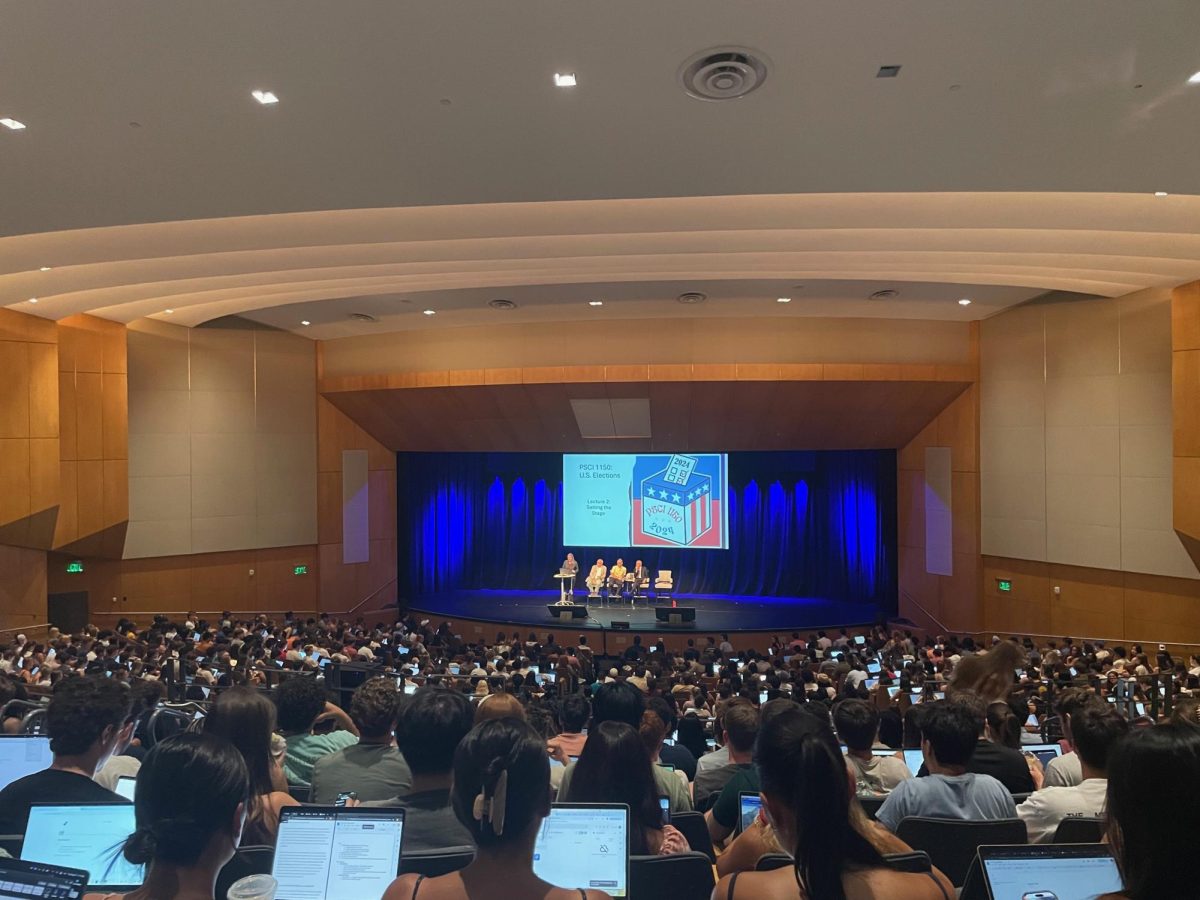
[{"x": 801, "y": 524}]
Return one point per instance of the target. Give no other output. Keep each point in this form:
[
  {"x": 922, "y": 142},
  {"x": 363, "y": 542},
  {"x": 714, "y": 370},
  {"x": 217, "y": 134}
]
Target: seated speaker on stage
[
  {"x": 616, "y": 577},
  {"x": 596, "y": 578},
  {"x": 641, "y": 577}
]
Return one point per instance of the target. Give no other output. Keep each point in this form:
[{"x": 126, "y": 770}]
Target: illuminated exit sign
[
  {"x": 1003, "y": 584},
  {"x": 75, "y": 567},
  {"x": 300, "y": 570}
]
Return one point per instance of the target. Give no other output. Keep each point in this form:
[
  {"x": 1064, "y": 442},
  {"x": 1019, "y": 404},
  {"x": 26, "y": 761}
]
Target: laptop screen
[
  {"x": 583, "y": 845},
  {"x": 337, "y": 853},
  {"x": 22, "y": 755},
  {"x": 28, "y": 879},
  {"x": 85, "y": 836},
  {"x": 126, "y": 785},
  {"x": 1044, "y": 752},
  {"x": 1049, "y": 872},
  {"x": 749, "y": 805},
  {"x": 914, "y": 759}
]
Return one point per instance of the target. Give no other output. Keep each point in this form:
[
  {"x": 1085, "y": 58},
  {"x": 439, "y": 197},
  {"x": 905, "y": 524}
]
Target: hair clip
[{"x": 491, "y": 809}]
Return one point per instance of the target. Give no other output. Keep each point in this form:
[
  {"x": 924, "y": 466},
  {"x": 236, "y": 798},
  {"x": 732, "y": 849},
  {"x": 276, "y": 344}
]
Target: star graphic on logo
[
  {"x": 691, "y": 496},
  {"x": 676, "y": 498},
  {"x": 704, "y": 488}
]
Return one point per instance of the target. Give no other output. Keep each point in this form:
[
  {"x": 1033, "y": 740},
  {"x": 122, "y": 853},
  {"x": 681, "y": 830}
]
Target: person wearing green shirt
[{"x": 302, "y": 708}]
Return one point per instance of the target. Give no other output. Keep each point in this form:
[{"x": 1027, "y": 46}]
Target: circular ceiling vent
[
  {"x": 362, "y": 317},
  {"x": 691, "y": 298},
  {"x": 723, "y": 73},
  {"x": 501, "y": 303},
  {"x": 884, "y": 295}
]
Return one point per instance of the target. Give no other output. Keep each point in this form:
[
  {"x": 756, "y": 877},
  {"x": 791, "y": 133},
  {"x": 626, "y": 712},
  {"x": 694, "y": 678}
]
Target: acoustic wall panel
[
  {"x": 356, "y": 508},
  {"x": 939, "y": 519}
]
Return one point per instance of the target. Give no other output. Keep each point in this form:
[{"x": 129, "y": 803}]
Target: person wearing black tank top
[
  {"x": 501, "y": 795},
  {"x": 807, "y": 790}
]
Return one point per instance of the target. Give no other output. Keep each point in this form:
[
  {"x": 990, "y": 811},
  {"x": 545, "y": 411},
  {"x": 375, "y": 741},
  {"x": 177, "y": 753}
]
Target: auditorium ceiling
[{"x": 421, "y": 157}]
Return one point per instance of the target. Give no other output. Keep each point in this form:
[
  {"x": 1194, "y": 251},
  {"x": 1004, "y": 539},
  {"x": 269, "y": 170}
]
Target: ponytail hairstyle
[
  {"x": 501, "y": 781},
  {"x": 188, "y": 789},
  {"x": 802, "y": 770},
  {"x": 1004, "y": 725}
]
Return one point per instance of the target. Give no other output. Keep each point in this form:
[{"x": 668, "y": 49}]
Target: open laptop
[
  {"x": 21, "y": 755},
  {"x": 87, "y": 836},
  {"x": 1044, "y": 752},
  {"x": 584, "y": 845},
  {"x": 337, "y": 853},
  {"x": 1049, "y": 871},
  {"x": 914, "y": 759},
  {"x": 25, "y": 880},
  {"x": 125, "y": 787},
  {"x": 748, "y": 808}
]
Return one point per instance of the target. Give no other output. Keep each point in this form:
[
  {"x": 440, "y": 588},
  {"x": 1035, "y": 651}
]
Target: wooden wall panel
[{"x": 22, "y": 588}]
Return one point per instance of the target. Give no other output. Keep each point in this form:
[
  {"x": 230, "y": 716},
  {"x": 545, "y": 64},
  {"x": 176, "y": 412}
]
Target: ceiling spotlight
[
  {"x": 564, "y": 79},
  {"x": 44, "y": 269},
  {"x": 12, "y": 124},
  {"x": 595, "y": 303},
  {"x": 168, "y": 312},
  {"x": 430, "y": 312},
  {"x": 305, "y": 322},
  {"x": 1195, "y": 79},
  {"x": 33, "y": 299},
  {"x": 965, "y": 301},
  {"x": 1161, "y": 194},
  {"x": 266, "y": 98},
  {"x": 783, "y": 299}
]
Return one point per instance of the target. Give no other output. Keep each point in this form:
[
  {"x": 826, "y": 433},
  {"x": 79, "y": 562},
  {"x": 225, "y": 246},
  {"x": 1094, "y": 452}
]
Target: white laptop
[
  {"x": 126, "y": 786},
  {"x": 337, "y": 853},
  {"x": 1049, "y": 871},
  {"x": 584, "y": 845},
  {"x": 1044, "y": 752},
  {"x": 86, "y": 836},
  {"x": 914, "y": 759},
  {"x": 21, "y": 755}
]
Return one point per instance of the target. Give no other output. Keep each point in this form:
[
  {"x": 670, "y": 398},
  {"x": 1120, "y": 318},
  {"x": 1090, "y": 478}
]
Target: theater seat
[
  {"x": 871, "y": 805},
  {"x": 247, "y": 861},
  {"x": 769, "y": 862},
  {"x": 432, "y": 863},
  {"x": 301, "y": 793},
  {"x": 1079, "y": 831},
  {"x": 952, "y": 843},
  {"x": 683, "y": 876},
  {"x": 693, "y": 827}
]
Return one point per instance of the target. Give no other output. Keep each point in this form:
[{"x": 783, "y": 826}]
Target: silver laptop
[
  {"x": 337, "y": 853},
  {"x": 1049, "y": 871},
  {"x": 87, "y": 836},
  {"x": 585, "y": 845}
]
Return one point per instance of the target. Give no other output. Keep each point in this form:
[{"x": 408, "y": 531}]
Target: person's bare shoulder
[{"x": 402, "y": 888}]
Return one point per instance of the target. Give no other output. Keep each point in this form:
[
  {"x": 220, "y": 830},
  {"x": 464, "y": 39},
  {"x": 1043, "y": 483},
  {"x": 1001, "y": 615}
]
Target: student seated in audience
[
  {"x": 618, "y": 702},
  {"x": 857, "y": 724},
  {"x": 741, "y": 728},
  {"x": 302, "y": 707},
  {"x": 87, "y": 721},
  {"x": 807, "y": 791},
  {"x": 501, "y": 797},
  {"x": 1067, "y": 770},
  {"x": 125, "y": 761},
  {"x": 674, "y": 754},
  {"x": 1096, "y": 732},
  {"x": 431, "y": 725},
  {"x": 1005, "y": 764},
  {"x": 615, "y": 768},
  {"x": 373, "y": 769},
  {"x": 498, "y": 706},
  {"x": 719, "y": 757},
  {"x": 1153, "y": 795},
  {"x": 190, "y": 806},
  {"x": 1003, "y": 729},
  {"x": 574, "y": 713},
  {"x": 950, "y": 732},
  {"x": 246, "y": 719}
]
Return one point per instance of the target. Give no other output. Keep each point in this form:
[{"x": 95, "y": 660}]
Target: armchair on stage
[{"x": 664, "y": 584}]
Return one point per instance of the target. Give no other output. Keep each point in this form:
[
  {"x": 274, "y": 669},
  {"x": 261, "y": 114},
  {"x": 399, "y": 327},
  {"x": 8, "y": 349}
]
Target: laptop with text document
[
  {"x": 87, "y": 836},
  {"x": 337, "y": 853}
]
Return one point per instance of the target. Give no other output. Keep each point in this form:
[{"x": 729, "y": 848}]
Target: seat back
[
  {"x": 164, "y": 723},
  {"x": 769, "y": 862},
  {"x": 917, "y": 861},
  {"x": 693, "y": 827},
  {"x": 247, "y": 861},
  {"x": 432, "y": 863},
  {"x": 301, "y": 793},
  {"x": 1079, "y": 831},
  {"x": 951, "y": 843},
  {"x": 871, "y": 805},
  {"x": 681, "y": 876},
  {"x": 11, "y": 844}
]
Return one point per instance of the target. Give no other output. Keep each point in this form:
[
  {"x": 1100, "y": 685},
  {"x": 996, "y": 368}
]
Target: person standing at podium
[
  {"x": 570, "y": 567},
  {"x": 616, "y": 577}
]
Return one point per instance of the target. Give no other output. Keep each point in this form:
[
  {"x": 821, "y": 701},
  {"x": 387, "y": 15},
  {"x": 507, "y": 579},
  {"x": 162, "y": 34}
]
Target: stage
[{"x": 714, "y": 612}]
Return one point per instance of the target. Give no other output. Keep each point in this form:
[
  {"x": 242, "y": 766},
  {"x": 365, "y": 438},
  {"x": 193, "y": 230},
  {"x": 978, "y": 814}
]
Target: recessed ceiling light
[
  {"x": 13, "y": 124},
  {"x": 266, "y": 98},
  {"x": 1195, "y": 79},
  {"x": 168, "y": 311},
  {"x": 564, "y": 79},
  {"x": 430, "y": 312},
  {"x": 305, "y": 322},
  {"x": 44, "y": 269},
  {"x": 783, "y": 299},
  {"x": 595, "y": 303},
  {"x": 33, "y": 299},
  {"x": 965, "y": 301},
  {"x": 1161, "y": 194}
]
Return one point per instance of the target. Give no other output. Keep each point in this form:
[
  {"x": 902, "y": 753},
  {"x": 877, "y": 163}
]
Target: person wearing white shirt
[
  {"x": 1097, "y": 730},
  {"x": 1065, "y": 770}
]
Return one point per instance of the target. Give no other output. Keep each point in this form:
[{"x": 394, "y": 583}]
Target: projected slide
[{"x": 645, "y": 500}]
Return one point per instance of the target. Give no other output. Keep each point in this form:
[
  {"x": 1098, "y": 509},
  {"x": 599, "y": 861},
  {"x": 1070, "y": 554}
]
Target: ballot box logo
[{"x": 677, "y": 503}]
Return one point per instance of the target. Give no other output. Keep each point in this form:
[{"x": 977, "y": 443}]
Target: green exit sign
[
  {"x": 75, "y": 567},
  {"x": 1004, "y": 584},
  {"x": 300, "y": 570}
]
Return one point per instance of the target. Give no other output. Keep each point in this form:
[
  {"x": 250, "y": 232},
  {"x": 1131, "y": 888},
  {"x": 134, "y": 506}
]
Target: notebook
[
  {"x": 1049, "y": 871},
  {"x": 337, "y": 853},
  {"x": 21, "y": 755},
  {"x": 584, "y": 845},
  {"x": 748, "y": 807},
  {"x": 87, "y": 836},
  {"x": 24, "y": 880}
]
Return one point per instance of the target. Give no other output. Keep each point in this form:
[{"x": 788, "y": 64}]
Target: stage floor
[{"x": 714, "y": 612}]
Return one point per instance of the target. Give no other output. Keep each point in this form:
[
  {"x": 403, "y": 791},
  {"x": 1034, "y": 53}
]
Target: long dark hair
[
  {"x": 246, "y": 719},
  {"x": 490, "y": 748},
  {"x": 1004, "y": 725},
  {"x": 615, "y": 768},
  {"x": 1153, "y": 793},
  {"x": 188, "y": 789},
  {"x": 691, "y": 735},
  {"x": 802, "y": 768}
]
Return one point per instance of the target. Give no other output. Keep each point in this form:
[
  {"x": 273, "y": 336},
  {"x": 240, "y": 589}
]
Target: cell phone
[
  {"x": 667, "y": 766},
  {"x": 344, "y": 796},
  {"x": 664, "y": 803},
  {"x": 762, "y": 677},
  {"x": 410, "y": 688},
  {"x": 711, "y": 743},
  {"x": 762, "y": 697},
  {"x": 1032, "y": 721},
  {"x": 1073, "y": 672},
  {"x": 716, "y": 668}
]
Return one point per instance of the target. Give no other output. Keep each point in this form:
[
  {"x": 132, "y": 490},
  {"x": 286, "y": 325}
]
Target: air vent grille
[{"x": 723, "y": 73}]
